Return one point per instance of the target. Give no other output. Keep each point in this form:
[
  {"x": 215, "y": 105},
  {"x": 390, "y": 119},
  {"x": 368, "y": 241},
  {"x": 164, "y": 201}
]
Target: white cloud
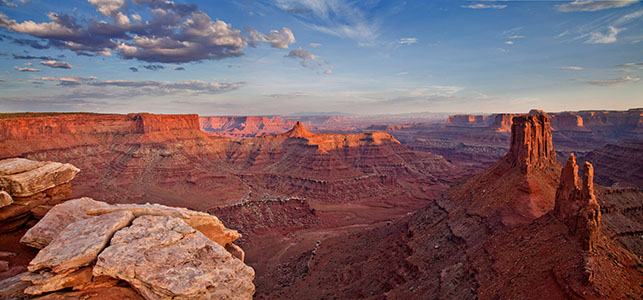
[
  {"x": 509, "y": 42},
  {"x": 277, "y": 39},
  {"x": 604, "y": 38},
  {"x": 407, "y": 41},
  {"x": 593, "y": 5},
  {"x": 516, "y": 37},
  {"x": 314, "y": 45}
]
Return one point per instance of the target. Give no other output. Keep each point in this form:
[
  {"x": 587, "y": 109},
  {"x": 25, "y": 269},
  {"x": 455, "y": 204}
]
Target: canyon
[{"x": 396, "y": 211}]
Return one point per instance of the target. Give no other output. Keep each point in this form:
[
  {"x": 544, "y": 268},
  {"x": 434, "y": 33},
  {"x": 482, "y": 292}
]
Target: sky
[{"x": 281, "y": 57}]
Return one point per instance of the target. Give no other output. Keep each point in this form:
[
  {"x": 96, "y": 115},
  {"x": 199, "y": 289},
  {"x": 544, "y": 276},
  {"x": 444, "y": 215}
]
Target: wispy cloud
[
  {"x": 342, "y": 18},
  {"x": 145, "y": 87},
  {"x": 18, "y": 56},
  {"x": 407, "y": 41},
  {"x": 26, "y": 69},
  {"x": 153, "y": 67},
  {"x": 573, "y": 68},
  {"x": 612, "y": 82},
  {"x": 609, "y": 37},
  {"x": 509, "y": 42},
  {"x": 56, "y": 64},
  {"x": 484, "y": 6},
  {"x": 309, "y": 60},
  {"x": 593, "y": 5}
]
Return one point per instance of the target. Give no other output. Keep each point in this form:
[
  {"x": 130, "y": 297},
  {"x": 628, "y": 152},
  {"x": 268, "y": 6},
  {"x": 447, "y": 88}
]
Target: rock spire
[
  {"x": 531, "y": 144},
  {"x": 576, "y": 206}
]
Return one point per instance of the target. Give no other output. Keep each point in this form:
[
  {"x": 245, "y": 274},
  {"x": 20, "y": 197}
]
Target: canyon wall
[
  {"x": 244, "y": 126},
  {"x": 15, "y": 127}
]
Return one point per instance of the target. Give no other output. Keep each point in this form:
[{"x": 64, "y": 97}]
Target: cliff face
[{"x": 17, "y": 128}]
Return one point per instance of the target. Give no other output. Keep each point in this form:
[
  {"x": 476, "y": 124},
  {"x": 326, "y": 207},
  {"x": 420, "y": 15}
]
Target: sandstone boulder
[
  {"x": 5, "y": 199},
  {"x": 57, "y": 220},
  {"x": 162, "y": 257},
  {"x": 79, "y": 243},
  {"x": 22, "y": 177},
  {"x": 207, "y": 224}
]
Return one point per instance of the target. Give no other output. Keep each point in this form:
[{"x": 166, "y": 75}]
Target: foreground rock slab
[
  {"x": 163, "y": 257},
  {"x": 207, "y": 224},
  {"x": 57, "y": 219},
  {"x": 79, "y": 243},
  {"x": 22, "y": 177}
]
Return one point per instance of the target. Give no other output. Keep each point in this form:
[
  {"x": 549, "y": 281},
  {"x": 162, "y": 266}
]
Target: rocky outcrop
[
  {"x": 531, "y": 142},
  {"x": 576, "y": 206},
  {"x": 166, "y": 252},
  {"x": 164, "y": 258},
  {"x": 29, "y": 188},
  {"x": 298, "y": 131},
  {"x": 22, "y": 177},
  {"x": 207, "y": 224},
  {"x": 62, "y": 263}
]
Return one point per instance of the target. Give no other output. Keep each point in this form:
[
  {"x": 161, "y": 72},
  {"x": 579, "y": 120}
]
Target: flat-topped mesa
[
  {"x": 531, "y": 144},
  {"x": 146, "y": 123},
  {"x": 576, "y": 206},
  {"x": 298, "y": 131}
]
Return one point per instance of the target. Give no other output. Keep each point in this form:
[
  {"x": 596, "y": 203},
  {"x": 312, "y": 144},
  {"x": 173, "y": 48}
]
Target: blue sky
[{"x": 251, "y": 57}]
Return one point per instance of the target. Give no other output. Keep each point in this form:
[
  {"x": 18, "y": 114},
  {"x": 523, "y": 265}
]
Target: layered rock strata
[{"x": 29, "y": 188}]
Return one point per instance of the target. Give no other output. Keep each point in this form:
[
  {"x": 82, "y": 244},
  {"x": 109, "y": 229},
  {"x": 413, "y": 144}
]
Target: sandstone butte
[
  {"x": 525, "y": 228},
  {"x": 161, "y": 252}
]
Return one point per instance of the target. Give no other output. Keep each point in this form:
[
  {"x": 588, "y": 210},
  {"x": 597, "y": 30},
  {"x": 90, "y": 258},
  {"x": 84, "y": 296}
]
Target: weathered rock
[
  {"x": 104, "y": 293},
  {"x": 531, "y": 142},
  {"x": 236, "y": 251},
  {"x": 15, "y": 215},
  {"x": 5, "y": 199},
  {"x": 164, "y": 258},
  {"x": 18, "y": 165},
  {"x": 80, "y": 242},
  {"x": 22, "y": 178},
  {"x": 57, "y": 220},
  {"x": 12, "y": 287},
  {"x": 45, "y": 281},
  {"x": 577, "y": 206},
  {"x": 207, "y": 224}
]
